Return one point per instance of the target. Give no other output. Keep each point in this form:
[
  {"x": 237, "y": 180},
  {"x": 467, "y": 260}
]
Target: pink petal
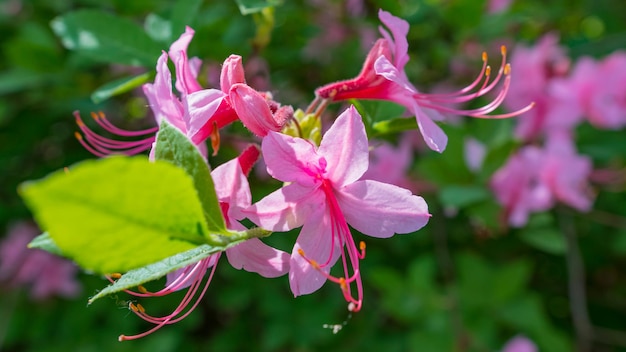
[
  {"x": 433, "y": 135},
  {"x": 399, "y": 29},
  {"x": 200, "y": 107},
  {"x": 257, "y": 257},
  {"x": 232, "y": 187},
  {"x": 232, "y": 72},
  {"x": 290, "y": 159},
  {"x": 520, "y": 344},
  {"x": 286, "y": 208},
  {"x": 345, "y": 148},
  {"x": 185, "y": 75},
  {"x": 315, "y": 240},
  {"x": 381, "y": 210},
  {"x": 385, "y": 68},
  {"x": 252, "y": 110},
  {"x": 162, "y": 101}
]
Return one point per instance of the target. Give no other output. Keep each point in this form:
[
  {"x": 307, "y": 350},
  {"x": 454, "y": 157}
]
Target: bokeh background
[{"x": 464, "y": 283}]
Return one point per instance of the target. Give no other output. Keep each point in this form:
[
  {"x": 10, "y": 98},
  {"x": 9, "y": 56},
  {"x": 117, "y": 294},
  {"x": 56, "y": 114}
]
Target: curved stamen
[
  {"x": 176, "y": 315},
  {"x": 350, "y": 256},
  {"x": 102, "y": 146}
]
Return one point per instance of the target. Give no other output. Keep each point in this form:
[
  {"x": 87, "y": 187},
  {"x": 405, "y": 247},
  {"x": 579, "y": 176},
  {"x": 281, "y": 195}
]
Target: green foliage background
[{"x": 460, "y": 284}]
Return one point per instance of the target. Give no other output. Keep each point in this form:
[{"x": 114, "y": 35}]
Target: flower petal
[
  {"x": 162, "y": 101},
  {"x": 286, "y": 208},
  {"x": 290, "y": 159},
  {"x": 316, "y": 241},
  {"x": 433, "y": 135},
  {"x": 232, "y": 72},
  {"x": 185, "y": 73},
  {"x": 252, "y": 110},
  {"x": 381, "y": 210},
  {"x": 399, "y": 29},
  {"x": 257, "y": 257},
  {"x": 345, "y": 148},
  {"x": 200, "y": 108},
  {"x": 232, "y": 187}
]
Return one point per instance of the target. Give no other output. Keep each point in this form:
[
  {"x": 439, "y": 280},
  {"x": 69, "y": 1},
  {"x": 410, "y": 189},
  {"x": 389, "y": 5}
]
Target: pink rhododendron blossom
[
  {"x": 518, "y": 187},
  {"x": 233, "y": 193},
  {"x": 43, "y": 274},
  {"x": 324, "y": 195},
  {"x": 197, "y": 111},
  {"x": 566, "y": 173},
  {"x": 383, "y": 78},
  {"x": 607, "y": 105},
  {"x": 537, "y": 75},
  {"x": 533, "y": 179},
  {"x": 520, "y": 344}
]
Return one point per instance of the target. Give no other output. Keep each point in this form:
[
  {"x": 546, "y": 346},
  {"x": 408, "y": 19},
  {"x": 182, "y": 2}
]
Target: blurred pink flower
[
  {"x": 324, "y": 195},
  {"x": 495, "y": 6},
  {"x": 474, "y": 153},
  {"x": 383, "y": 78},
  {"x": 520, "y": 344},
  {"x": 391, "y": 164},
  {"x": 539, "y": 76},
  {"x": 533, "y": 179},
  {"x": 43, "y": 274}
]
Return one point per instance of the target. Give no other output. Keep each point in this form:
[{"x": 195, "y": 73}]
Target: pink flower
[
  {"x": 518, "y": 187},
  {"x": 323, "y": 195},
  {"x": 45, "y": 275},
  {"x": 197, "y": 111},
  {"x": 519, "y": 344},
  {"x": 496, "y": 6},
  {"x": 539, "y": 76},
  {"x": 607, "y": 106},
  {"x": 383, "y": 78},
  {"x": 533, "y": 179},
  {"x": 252, "y": 255}
]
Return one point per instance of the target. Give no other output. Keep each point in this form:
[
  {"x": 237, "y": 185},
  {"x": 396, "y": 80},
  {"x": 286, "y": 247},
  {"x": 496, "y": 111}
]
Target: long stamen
[
  {"x": 102, "y": 146},
  {"x": 350, "y": 256},
  {"x": 180, "y": 312}
]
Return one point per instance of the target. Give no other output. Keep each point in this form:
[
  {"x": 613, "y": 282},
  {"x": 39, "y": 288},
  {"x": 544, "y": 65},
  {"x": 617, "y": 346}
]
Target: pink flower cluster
[
  {"x": 43, "y": 274},
  {"x": 328, "y": 189},
  {"x": 548, "y": 168}
]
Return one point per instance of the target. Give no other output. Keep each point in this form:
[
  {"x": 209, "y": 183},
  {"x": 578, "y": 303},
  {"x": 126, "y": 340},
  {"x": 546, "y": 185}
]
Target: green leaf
[
  {"x": 183, "y": 14},
  {"x": 46, "y": 243},
  {"x": 546, "y": 239},
  {"x": 107, "y": 38},
  {"x": 159, "y": 269},
  {"x": 394, "y": 125},
  {"x": 247, "y": 7},
  {"x": 462, "y": 196},
  {"x": 119, "y": 86},
  {"x": 158, "y": 28},
  {"x": 173, "y": 146},
  {"x": 117, "y": 214}
]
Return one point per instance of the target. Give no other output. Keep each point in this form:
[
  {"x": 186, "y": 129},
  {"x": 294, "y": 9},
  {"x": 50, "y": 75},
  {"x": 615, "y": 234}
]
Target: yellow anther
[
  {"x": 78, "y": 136},
  {"x": 94, "y": 115},
  {"x": 133, "y": 307},
  {"x": 507, "y": 69},
  {"x": 301, "y": 252},
  {"x": 488, "y": 71},
  {"x": 140, "y": 308},
  {"x": 362, "y": 245},
  {"x": 342, "y": 283},
  {"x": 484, "y": 56},
  {"x": 503, "y": 50},
  {"x": 116, "y": 276},
  {"x": 314, "y": 264},
  {"x": 142, "y": 289}
]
